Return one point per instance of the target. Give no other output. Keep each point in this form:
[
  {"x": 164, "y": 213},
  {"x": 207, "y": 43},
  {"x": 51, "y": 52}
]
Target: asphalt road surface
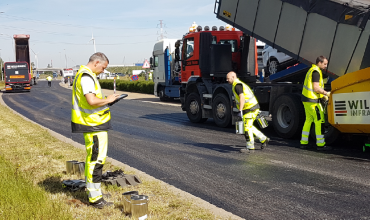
[{"x": 279, "y": 182}]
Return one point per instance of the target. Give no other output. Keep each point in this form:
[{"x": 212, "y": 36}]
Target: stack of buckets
[
  {"x": 76, "y": 168},
  {"x": 135, "y": 204}
]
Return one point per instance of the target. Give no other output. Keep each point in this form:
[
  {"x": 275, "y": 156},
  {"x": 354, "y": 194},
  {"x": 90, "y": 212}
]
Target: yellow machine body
[{"x": 349, "y": 103}]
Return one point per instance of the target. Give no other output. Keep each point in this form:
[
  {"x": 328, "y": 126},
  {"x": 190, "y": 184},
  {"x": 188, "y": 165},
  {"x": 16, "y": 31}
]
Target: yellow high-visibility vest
[
  {"x": 250, "y": 99},
  {"x": 86, "y": 118},
  {"x": 308, "y": 92}
]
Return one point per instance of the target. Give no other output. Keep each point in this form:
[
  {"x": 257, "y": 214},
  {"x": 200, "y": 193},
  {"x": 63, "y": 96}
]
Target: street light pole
[
  {"x": 93, "y": 39},
  {"x": 37, "y": 60},
  {"x": 65, "y": 57}
]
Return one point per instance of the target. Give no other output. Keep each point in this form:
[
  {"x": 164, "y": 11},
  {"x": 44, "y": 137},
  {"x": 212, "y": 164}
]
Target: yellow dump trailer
[{"x": 349, "y": 104}]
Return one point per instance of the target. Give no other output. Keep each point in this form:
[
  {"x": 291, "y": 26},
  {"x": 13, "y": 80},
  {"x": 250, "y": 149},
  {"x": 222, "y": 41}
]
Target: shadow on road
[
  {"x": 221, "y": 147},
  {"x": 181, "y": 118}
]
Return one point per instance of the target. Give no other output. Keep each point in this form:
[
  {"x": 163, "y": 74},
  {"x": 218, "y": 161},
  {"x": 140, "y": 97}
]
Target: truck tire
[
  {"x": 221, "y": 110},
  {"x": 330, "y": 133},
  {"x": 273, "y": 66},
  {"x": 288, "y": 116},
  {"x": 193, "y": 107},
  {"x": 161, "y": 95}
]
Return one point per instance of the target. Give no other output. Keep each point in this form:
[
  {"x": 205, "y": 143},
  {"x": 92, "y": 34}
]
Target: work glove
[
  {"x": 328, "y": 94},
  {"x": 238, "y": 115},
  {"x": 241, "y": 115},
  {"x": 325, "y": 98}
]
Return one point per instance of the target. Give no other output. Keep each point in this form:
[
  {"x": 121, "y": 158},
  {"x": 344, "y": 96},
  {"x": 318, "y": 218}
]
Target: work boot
[
  {"x": 324, "y": 148},
  {"x": 305, "y": 146},
  {"x": 249, "y": 147},
  {"x": 101, "y": 203},
  {"x": 266, "y": 143}
]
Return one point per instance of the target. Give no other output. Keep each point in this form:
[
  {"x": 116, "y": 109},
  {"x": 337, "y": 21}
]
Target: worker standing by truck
[
  {"x": 248, "y": 107},
  {"x": 313, "y": 91},
  {"x": 49, "y": 78},
  {"x": 91, "y": 116}
]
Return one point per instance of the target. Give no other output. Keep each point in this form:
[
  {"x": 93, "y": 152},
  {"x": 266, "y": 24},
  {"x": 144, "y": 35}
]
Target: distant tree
[{"x": 1, "y": 65}]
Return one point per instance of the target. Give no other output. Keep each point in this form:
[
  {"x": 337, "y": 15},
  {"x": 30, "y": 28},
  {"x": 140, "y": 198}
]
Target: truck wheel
[
  {"x": 288, "y": 116},
  {"x": 272, "y": 67},
  {"x": 161, "y": 95},
  {"x": 330, "y": 133},
  {"x": 221, "y": 110},
  {"x": 194, "y": 108}
]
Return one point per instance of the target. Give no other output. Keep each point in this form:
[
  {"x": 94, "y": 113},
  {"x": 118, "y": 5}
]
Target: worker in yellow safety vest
[
  {"x": 313, "y": 91},
  {"x": 91, "y": 116},
  {"x": 150, "y": 76},
  {"x": 49, "y": 79},
  {"x": 249, "y": 108}
]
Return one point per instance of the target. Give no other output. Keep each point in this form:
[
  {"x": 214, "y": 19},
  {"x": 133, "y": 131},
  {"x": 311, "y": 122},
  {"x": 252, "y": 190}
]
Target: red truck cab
[{"x": 193, "y": 49}]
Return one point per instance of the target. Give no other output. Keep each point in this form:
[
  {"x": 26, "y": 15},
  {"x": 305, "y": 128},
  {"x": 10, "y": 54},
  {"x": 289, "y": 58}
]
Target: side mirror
[{"x": 151, "y": 61}]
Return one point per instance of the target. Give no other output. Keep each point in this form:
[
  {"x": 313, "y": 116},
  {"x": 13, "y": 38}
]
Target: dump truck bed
[{"x": 306, "y": 29}]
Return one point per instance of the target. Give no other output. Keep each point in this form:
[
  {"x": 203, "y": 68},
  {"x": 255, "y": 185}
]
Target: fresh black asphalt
[{"x": 279, "y": 182}]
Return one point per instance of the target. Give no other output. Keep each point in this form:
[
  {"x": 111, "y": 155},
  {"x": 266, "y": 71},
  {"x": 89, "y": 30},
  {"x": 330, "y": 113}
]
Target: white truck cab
[{"x": 158, "y": 65}]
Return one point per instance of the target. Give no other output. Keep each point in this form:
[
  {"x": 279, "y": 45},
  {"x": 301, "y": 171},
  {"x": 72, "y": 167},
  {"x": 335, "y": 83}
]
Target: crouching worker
[
  {"x": 91, "y": 116},
  {"x": 248, "y": 105}
]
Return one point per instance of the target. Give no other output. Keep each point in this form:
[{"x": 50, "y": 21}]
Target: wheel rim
[
  {"x": 194, "y": 107},
  {"x": 220, "y": 111},
  {"x": 284, "y": 116},
  {"x": 273, "y": 67}
]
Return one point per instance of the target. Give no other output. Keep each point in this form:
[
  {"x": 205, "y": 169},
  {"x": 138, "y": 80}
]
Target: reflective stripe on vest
[
  {"x": 86, "y": 118},
  {"x": 250, "y": 99},
  {"x": 308, "y": 91}
]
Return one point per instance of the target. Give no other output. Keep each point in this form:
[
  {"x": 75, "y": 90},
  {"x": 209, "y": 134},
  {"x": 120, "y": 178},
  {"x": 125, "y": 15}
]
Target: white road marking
[{"x": 160, "y": 103}]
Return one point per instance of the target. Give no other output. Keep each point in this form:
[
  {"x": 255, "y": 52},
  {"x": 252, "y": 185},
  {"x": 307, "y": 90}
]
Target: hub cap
[
  {"x": 221, "y": 110},
  {"x": 273, "y": 67},
  {"x": 194, "y": 107},
  {"x": 284, "y": 116}
]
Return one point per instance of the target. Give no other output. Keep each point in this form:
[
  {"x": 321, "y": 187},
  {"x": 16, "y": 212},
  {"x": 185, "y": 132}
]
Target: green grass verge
[
  {"x": 146, "y": 87},
  {"x": 23, "y": 200}
]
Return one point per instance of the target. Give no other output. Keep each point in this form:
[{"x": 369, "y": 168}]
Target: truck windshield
[
  {"x": 233, "y": 43},
  {"x": 189, "y": 48},
  {"x": 155, "y": 61}
]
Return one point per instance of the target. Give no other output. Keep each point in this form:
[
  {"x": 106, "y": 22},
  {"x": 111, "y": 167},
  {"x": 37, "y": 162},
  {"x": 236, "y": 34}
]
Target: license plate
[{"x": 17, "y": 76}]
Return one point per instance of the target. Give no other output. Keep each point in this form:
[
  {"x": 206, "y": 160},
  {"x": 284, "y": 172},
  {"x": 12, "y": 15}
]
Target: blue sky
[{"x": 125, "y": 31}]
